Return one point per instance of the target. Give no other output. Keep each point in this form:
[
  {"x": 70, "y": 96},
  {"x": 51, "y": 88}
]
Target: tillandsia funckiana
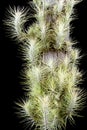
[{"x": 51, "y": 73}]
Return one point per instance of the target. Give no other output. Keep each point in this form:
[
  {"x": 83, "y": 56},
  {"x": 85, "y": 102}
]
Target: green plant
[{"x": 51, "y": 72}]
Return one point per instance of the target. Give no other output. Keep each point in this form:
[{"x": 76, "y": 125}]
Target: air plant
[{"x": 51, "y": 73}]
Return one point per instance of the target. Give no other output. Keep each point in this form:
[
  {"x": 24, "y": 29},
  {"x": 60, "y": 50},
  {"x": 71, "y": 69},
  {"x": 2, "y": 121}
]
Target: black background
[{"x": 11, "y": 65}]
